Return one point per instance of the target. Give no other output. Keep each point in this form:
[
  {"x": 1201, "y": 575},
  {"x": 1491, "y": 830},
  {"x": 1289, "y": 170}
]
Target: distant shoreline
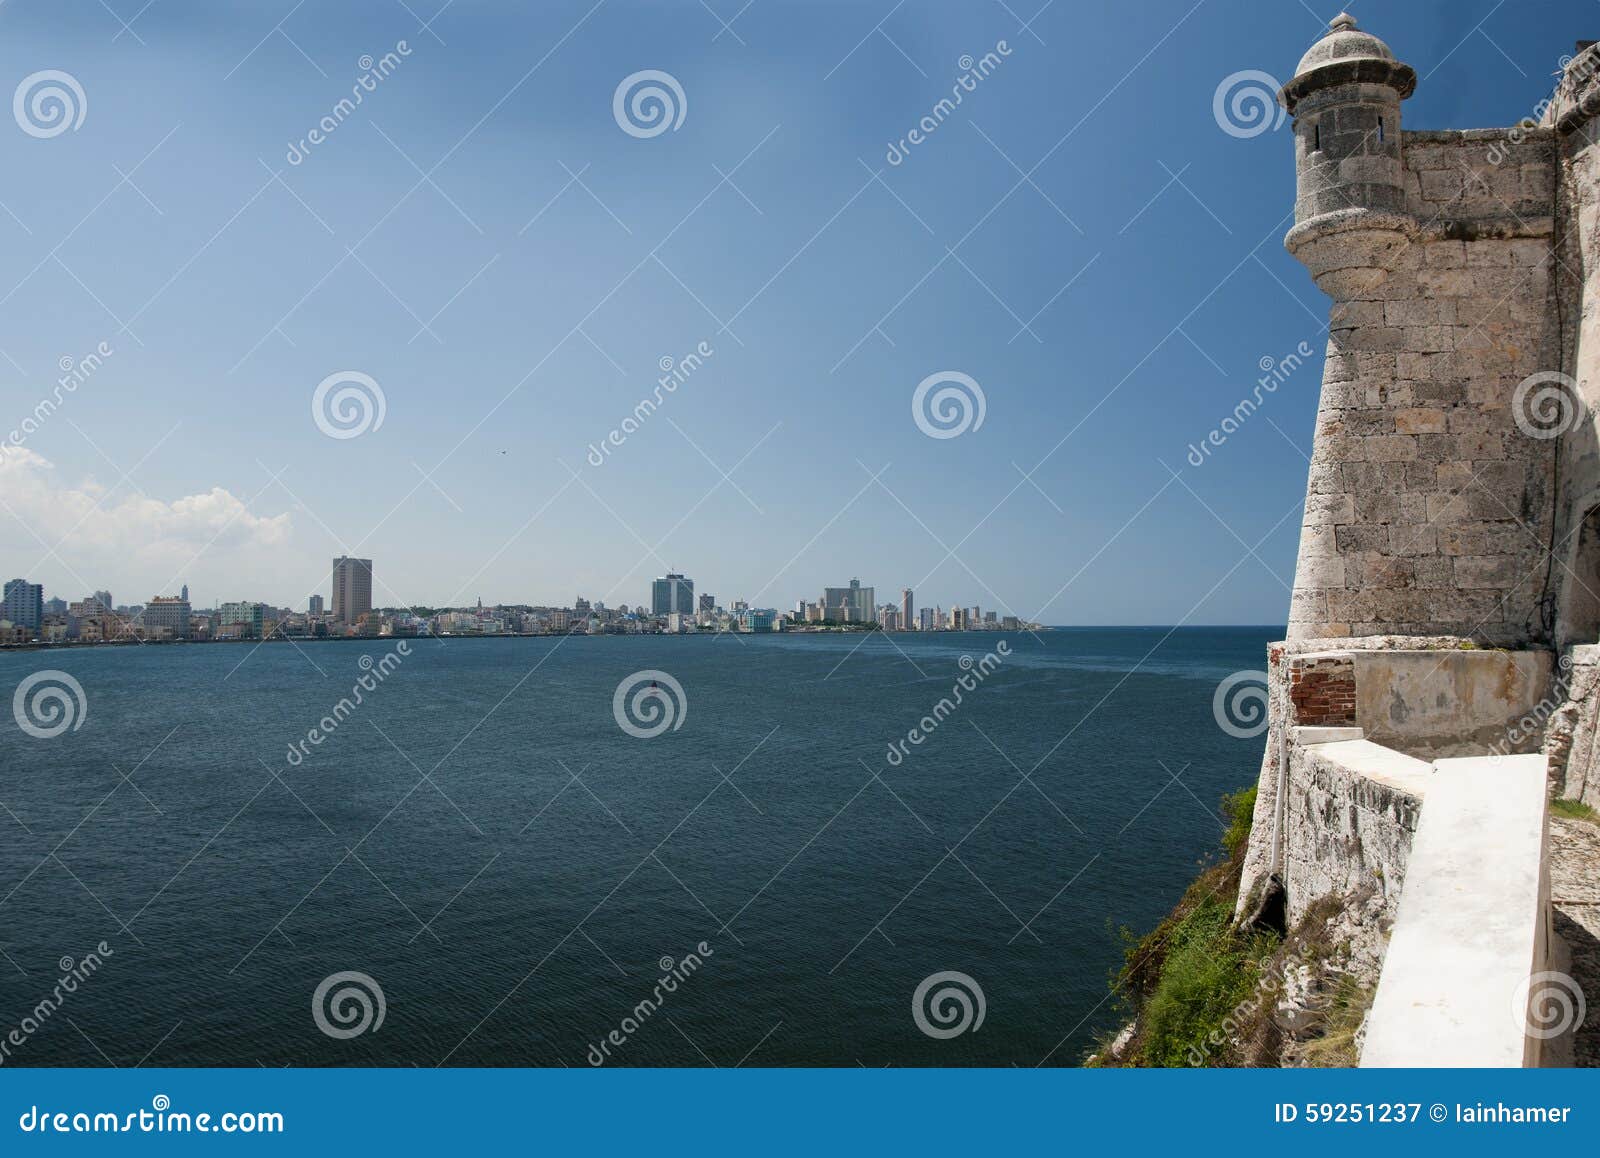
[{"x": 77, "y": 645}]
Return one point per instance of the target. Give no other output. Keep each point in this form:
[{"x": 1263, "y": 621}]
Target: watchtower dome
[{"x": 1350, "y": 202}]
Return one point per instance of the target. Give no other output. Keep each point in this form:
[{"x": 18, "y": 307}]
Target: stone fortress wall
[{"x": 1446, "y": 601}]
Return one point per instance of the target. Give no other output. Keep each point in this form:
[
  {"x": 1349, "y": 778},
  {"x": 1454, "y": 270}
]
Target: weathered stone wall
[
  {"x": 1445, "y": 702},
  {"x": 1428, "y": 510},
  {"x": 1422, "y": 698},
  {"x": 1572, "y": 736},
  {"x": 1350, "y": 815}
]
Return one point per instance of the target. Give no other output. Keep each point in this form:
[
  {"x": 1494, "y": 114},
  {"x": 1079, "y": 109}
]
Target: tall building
[
  {"x": 105, "y": 600},
  {"x": 852, "y": 604},
  {"x": 708, "y": 603},
  {"x": 172, "y": 615},
  {"x": 315, "y": 606},
  {"x": 24, "y": 604},
  {"x": 352, "y": 588},
  {"x": 906, "y": 619},
  {"x": 670, "y": 594}
]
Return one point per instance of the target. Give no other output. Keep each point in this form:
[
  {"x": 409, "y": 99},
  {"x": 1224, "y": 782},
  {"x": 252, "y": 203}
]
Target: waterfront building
[
  {"x": 925, "y": 619},
  {"x": 352, "y": 589},
  {"x": 315, "y": 606},
  {"x": 757, "y": 619},
  {"x": 241, "y": 620},
  {"x": 889, "y": 617},
  {"x": 91, "y": 620},
  {"x": 168, "y": 616},
  {"x": 24, "y": 605},
  {"x": 672, "y": 593},
  {"x": 906, "y": 621},
  {"x": 852, "y": 604}
]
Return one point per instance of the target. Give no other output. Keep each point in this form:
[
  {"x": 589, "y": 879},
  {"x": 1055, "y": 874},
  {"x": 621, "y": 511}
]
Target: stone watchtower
[
  {"x": 1428, "y": 511},
  {"x": 1350, "y": 202}
]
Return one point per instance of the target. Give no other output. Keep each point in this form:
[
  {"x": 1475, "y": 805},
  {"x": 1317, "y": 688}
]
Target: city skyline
[{"x": 16, "y": 590}]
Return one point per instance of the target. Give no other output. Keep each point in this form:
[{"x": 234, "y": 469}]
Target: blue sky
[{"x": 483, "y": 240}]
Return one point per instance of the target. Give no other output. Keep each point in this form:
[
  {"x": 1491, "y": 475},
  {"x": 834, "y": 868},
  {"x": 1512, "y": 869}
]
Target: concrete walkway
[{"x": 1575, "y": 896}]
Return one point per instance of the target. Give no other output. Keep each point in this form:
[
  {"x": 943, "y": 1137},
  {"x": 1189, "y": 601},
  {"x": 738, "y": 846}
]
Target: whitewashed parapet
[{"x": 1473, "y": 923}]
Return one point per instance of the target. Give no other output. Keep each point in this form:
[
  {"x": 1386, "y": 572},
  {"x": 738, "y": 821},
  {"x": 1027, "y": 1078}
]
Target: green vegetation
[
  {"x": 1574, "y": 810},
  {"x": 1205, "y": 989},
  {"x": 1191, "y": 980},
  {"x": 1240, "y": 809},
  {"x": 1201, "y": 991}
]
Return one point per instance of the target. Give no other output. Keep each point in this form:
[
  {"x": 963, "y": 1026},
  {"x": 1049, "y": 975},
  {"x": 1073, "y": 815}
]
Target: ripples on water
[{"x": 515, "y": 905}]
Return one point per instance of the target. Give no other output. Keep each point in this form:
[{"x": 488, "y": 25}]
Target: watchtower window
[
  {"x": 1316, "y": 138},
  {"x": 1380, "y": 130}
]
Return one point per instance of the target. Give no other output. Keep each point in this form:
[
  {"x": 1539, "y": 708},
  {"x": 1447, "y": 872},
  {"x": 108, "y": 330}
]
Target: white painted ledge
[
  {"x": 1472, "y": 922},
  {"x": 1375, "y": 762}
]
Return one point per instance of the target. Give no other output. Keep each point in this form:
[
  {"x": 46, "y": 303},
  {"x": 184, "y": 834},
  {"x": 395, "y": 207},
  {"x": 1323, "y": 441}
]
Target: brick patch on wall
[{"x": 1323, "y": 690}]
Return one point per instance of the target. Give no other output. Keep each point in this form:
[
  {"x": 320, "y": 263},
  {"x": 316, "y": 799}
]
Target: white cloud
[{"x": 116, "y": 533}]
